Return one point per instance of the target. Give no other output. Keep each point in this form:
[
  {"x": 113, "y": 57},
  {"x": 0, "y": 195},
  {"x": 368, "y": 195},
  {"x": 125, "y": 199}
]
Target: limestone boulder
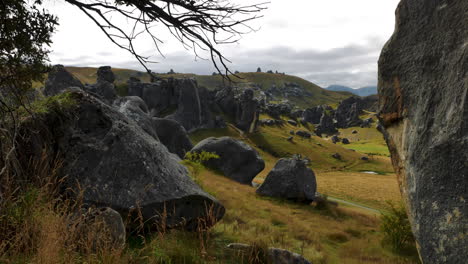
[
  {"x": 423, "y": 97},
  {"x": 237, "y": 160},
  {"x": 290, "y": 179}
]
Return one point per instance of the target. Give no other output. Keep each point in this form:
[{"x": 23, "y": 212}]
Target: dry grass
[
  {"x": 321, "y": 236},
  {"x": 367, "y": 189}
]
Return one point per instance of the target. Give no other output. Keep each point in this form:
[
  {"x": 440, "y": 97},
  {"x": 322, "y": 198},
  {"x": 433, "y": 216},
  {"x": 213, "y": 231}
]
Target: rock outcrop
[
  {"x": 326, "y": 126},
  {"x": 119, "y": 165},
  {"x": 237, "y": 160},
  {"x": 247, "y": 111},
  {"x": 290, "y": 179},
  {"x": 192, "y": 107},
  {"x": 277, "y": 110},
  {"x": 104, "y": 87},
  {"x": 348, "y": 111},
  {"x": 60, "y": 79},
  {"x": 161, "y": 96},
  {"x": 423, "y": 91},
  {"x": 173, "y": 135},
  {"x": 313, "y": 115}
]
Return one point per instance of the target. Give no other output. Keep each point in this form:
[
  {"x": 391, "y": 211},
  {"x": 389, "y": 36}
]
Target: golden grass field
[{"x": 343, "y": 235}]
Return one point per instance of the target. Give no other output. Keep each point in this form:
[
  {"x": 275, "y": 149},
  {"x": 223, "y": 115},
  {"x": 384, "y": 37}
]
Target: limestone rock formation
[
  {"x": 313, "y": 115},
  {"x": 135, "y": 108},
  {"x": 348, "y": 111},
  {"x": 247, "y": 111},
  {"x": 161, "y": 96},
  {"x": 104, "y": 87},
  {"x": 60, "y": 79},
  {"x": 119, "y": 165},
  {"x": 423, "y": 90},
  {"x": 192, "y": 107},
  {"x": 173, "y": 136},
  {"x": 326, "y": 126},
  {"x": 277, "y": 110},
  {"x": 290, "y": 179},
  {"x": 237, "y": 160}
]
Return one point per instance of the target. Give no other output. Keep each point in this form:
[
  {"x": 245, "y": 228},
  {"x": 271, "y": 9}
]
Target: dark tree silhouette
[{"x": 197, "y": 24}]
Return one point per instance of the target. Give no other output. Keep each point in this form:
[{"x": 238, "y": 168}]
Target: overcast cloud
[{"x": 326, "y": 42}]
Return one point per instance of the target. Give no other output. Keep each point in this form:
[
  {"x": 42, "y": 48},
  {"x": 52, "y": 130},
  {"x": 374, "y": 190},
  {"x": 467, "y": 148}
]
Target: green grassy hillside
[{"x": 264, "y": 80}]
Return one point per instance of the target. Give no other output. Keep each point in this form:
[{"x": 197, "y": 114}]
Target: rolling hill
[{"x": 363, "y": 91}]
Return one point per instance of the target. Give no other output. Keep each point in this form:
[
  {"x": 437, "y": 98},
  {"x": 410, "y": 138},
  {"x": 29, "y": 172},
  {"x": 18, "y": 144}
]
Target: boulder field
[{"x": 423, "y": 89}]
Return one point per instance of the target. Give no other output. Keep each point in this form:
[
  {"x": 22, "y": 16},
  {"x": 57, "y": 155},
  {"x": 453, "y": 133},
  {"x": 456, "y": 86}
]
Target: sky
[{"x": 324, "y": 41}]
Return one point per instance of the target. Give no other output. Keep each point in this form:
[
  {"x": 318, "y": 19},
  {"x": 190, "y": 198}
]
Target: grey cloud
[{"x": 353, "y": 65}]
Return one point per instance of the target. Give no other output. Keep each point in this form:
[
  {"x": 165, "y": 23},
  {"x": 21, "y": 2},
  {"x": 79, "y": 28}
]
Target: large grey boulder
[
  {"x": 173, "y": 135},
  {"x": 290, "y": 179},
  {"x": 237, "y": 161},
  {"x": 423, "y": 91},
  {"x": 60, "y": 79},
  {"x": 326, "y": 126},
  {"x": 95, "y": 230},
  {"x": 115, "y": 163}
]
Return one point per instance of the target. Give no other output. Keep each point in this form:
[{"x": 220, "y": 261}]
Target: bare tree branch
[{"x": 197, "y": 24}]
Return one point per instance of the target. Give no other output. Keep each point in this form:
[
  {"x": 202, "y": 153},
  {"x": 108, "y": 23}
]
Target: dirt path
[{"x": 354, "y": 204}]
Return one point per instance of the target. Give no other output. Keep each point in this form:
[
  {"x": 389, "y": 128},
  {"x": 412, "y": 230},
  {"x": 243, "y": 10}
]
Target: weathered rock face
[
  {"x": 276, "y": 110},
  {"x": 173, "y": 136},
  {"x": 326, "y": 126},
  {"x": 192, "y": 107},
  {"x": 247, "y": 111},
  {"x": 423, "y": 89},
  {"x": 290, "y": 179},
  {"x": 105, "y": 74},
  {"x": 237, "y": 161},
  {"x": 104, "y": 87},
  {"x": 135, "y": 108},
  {"x": 160, "y": 96},
  {"x": 347, "y": 113},
  {"x": 313, "y": 115},
  {"x": 371, "y": 103},
  {"x": 60, "y": 79},
  {"x": 117, "y": 164}
]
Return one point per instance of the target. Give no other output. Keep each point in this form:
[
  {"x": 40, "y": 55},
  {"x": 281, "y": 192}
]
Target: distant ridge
[
  {"x": 315, "y": 94},
  {"x": 363, "y": 91}
]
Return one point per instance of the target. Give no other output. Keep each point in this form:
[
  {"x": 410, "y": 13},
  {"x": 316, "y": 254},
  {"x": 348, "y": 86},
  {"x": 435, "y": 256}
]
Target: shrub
[{"x": 396, "y": 228}]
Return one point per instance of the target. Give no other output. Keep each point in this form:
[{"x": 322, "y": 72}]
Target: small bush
[
  {"x": 200, "y": 157},
  {"x": 396, "y": 228}
]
